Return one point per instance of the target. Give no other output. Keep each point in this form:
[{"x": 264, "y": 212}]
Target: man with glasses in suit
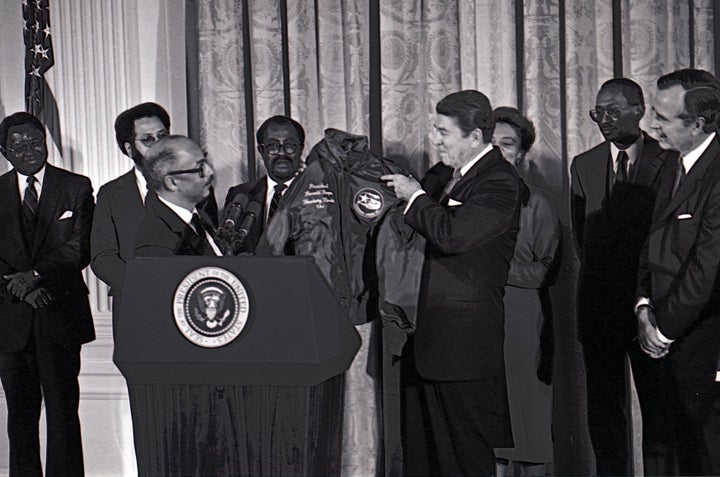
[
  {"x": 614, "y": 186},
  {"x": 45, "y": 314},
  {"x": 179, "y": 178},
  {"x": 120, "y": 202},
  {"x": 280, "y": 142}
]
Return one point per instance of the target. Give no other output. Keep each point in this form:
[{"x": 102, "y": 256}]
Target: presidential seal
[
  {"x": 368, "y": 203},
  {"x": 211, "y": 307}
]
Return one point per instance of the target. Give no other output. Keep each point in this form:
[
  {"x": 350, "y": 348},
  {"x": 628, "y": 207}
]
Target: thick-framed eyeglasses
[
  {"x": 274, "y": 148},
  {"x": 26, "y": 146},
  {"x": 149, "y": 139},
  {"x": 201, "y": 170},
  {"x": 599, "y": 114}
]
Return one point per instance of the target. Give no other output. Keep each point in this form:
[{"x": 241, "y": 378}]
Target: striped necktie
[
  {"x": 275, "y": 201},
  {"x": 30, "y": 199}
]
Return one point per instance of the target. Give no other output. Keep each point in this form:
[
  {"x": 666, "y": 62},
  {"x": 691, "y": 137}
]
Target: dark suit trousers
[
  {"x": 609, "y": 413},
  {"x": 447, "y": 428},
  {"x": 43, "y": 370},
  {"x": 695, "y": 407}
]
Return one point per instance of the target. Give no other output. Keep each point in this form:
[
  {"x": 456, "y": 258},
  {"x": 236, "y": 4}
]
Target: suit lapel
[
  {"x": 12, "y": 238},
  {"x": 649, "y": 163},
  {"x": 189, "y": 243},
  {"x": 600, "y": 167},
  {"x": 706, "y": 166},
  {"x": 128, "y": 195},
  {"x": 47, "y": 208}
]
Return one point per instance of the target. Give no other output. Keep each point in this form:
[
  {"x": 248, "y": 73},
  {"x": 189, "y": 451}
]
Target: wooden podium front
[{"x": 234, "y": 366}]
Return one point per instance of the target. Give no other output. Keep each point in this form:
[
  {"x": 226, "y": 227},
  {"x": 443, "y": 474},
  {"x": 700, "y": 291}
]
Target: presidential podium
[{"x": 234, "y": 365}]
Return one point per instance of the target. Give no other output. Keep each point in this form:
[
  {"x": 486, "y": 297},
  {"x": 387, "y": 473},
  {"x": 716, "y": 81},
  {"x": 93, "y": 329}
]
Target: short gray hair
[{"x": 161, "y": 157}]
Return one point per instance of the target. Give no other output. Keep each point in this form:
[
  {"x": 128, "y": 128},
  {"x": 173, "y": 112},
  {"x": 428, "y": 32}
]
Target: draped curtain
[{"x": 378, "y": 67}]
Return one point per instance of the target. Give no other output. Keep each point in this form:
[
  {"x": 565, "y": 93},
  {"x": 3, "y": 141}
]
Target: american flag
[{"x": 38, "y": 52}]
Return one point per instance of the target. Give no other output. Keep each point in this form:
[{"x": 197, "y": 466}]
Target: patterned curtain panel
[{"x": 315, "y": 60}]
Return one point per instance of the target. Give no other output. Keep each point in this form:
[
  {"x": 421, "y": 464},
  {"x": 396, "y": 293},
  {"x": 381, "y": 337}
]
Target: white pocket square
[
  {"x": 684, "y": 216},
  {"x": 453, "y": 203},
  {"x": 66, "y": 215}
]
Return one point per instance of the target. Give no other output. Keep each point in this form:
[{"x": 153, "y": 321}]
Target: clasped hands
[
  {"x": 24, "y": 286},
  {"x": 650, "y": 342}
]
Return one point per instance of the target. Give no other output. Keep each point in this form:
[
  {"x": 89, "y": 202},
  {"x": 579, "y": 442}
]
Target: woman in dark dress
[{"x": 537, "y": 240}]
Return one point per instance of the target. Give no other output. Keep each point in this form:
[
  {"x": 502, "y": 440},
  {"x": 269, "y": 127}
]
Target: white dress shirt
[
  {"x": 22, "y": 183},
  {"x": 186, "y": 216}
]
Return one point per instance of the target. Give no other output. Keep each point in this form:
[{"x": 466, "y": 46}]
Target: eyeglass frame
[
  {"x": 35, "y": 145},
  {"x": 155, "y": 138},
  {"x": 199, "y": 170},
  {"x": 297, "y": 145},
  {"x": 613, "y": 114}
]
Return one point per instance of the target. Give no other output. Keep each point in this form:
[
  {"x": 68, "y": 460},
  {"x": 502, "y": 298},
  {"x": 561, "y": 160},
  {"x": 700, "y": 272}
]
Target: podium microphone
[
  {"x": 251, "y": 213},
  {"x": 234, "y": 211}
]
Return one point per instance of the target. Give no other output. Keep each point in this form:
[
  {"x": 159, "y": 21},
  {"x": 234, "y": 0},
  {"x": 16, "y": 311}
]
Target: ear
[
  {"x": 699, "y": 123},
  {"x": 477, "y": 135},
  {"x": 170, "y": 183},
  {"x": 639, "y": 110},
  {"x": 128, "y": 148}
]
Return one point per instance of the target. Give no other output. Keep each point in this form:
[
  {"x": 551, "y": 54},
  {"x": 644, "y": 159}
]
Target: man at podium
[{"x": 179, "y": 177}]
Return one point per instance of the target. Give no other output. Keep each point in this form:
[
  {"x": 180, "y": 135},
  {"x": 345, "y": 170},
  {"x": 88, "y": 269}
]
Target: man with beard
[
  {"x": 120, "y": 201},
  {"x": 280, "y": 141},
  {"x": 614, "y": 186}
]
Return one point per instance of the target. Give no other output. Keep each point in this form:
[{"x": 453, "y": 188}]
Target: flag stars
[
  {"x": 47, "y": 31},
  {"x": 36, "y": 72},
  {"x": 36, "y": 26},
  {"x": 37, "y": 49},
  {"x": 38, "y": 4}
]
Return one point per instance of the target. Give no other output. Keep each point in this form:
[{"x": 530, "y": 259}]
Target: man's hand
[
  {"x": 404, "y": 186},
  {"x": 647, "y": 332},
  {"x": 39, "y": 298},
  {"x": 22, "y": 283}
]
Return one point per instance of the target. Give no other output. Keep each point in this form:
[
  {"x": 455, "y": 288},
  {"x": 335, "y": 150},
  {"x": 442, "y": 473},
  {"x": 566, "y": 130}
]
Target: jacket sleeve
[
  {"x": 105, "y": 248},
  {"x": 486, "y": 213}
]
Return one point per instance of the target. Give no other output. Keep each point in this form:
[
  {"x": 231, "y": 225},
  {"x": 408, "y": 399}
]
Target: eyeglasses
[
  {"x": 26, "y": 146},
  {"x": 598, "y": 114},
  {"x": 148, "y": 140},
  {"x": 200, "y": 170},
  {"x": 273, "y": 148}
]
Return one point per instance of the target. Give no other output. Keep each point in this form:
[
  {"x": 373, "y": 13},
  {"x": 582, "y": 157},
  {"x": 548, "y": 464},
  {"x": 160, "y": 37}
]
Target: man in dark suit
[
  {"x": 44, "y": 310},
  {"x": 614, "y": 186},
  {"x": 179, "y": 178},
  {"x": 280, "y": 142},
  {"x": 454, "y": 399},
  {"x": 120, "y": 201},
  {"x": 678, "y": 308}
]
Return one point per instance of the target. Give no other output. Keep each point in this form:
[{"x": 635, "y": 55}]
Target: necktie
[
  {"x": 30, "y": 199},
  {"x": 622, "y": 169},
  {"x": 450, "y": 184},
  {"x": 275, "y": 201},
  {"x": 679, "y": 176},
  {"x": 200, "y": 229}
]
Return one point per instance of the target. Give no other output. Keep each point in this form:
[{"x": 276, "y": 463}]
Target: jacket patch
[{"x": 368, "y": 203}]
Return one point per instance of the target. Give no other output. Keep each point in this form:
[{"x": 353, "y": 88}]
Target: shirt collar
[
  {"x": 182, "y": 212},
  {"x": 633, "y": 151},
  {"x": 22, "y": 181},
  {"x": 39, "y": 177},
  {"x": 464, "y": 169},
  {"x": 141, "y": 183},
  {"x": 271, "y": 183},
  {"x": 692, "y": 157}
]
